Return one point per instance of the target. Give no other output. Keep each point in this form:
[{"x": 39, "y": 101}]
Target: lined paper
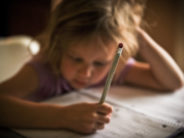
[{"x": 137, "y": 113}]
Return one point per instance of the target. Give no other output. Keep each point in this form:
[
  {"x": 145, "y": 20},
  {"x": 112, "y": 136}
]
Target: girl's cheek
[{"x": 101, "y": 73}]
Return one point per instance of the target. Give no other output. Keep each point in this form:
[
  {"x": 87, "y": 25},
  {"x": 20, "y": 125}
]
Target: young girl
[{"x": 77, "y": 52}]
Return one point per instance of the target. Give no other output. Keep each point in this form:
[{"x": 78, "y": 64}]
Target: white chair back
[{"x": 15, "y": 51}]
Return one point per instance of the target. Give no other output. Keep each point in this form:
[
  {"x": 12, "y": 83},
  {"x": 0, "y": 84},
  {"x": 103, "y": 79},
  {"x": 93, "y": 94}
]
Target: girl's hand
[
  {"x": 86, "y": 117},
  {"x": 160, "y": 72}
]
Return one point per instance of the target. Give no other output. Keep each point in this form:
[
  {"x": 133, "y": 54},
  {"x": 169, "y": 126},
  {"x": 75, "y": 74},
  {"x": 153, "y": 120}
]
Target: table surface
[{"x": 137, "y": 113}]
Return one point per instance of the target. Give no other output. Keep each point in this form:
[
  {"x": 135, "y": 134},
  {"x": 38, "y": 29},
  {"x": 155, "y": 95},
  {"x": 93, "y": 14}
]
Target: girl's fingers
[
  {"x": 99, "y": 126},
  {"x": 103, "y": 119},
  {"x": 104, "y": 109}
]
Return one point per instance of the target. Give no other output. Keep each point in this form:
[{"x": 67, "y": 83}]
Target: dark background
[{"x": 27, "y": 17}]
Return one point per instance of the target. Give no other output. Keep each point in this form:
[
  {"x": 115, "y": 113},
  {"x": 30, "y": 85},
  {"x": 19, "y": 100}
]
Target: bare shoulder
[
  {"x": 21, "y": 84},
  {"x": 140, "y": 74}
]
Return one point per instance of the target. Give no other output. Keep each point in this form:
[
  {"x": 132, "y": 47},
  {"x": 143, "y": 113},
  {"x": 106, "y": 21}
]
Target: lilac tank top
[{"x": 51, "y": 85}]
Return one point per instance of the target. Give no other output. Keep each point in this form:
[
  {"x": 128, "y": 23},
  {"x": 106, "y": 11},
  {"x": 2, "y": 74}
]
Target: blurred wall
[
  {"x": 23, "y": 16},
  {"x": 164, "y": 21}
]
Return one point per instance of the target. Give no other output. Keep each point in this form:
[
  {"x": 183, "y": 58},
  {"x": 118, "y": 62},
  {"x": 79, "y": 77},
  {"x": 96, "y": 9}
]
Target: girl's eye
[
  {"x": 79, "y": 60},
  {"x": 99, "y": 64},
  {"x": 76, "y": 59}
]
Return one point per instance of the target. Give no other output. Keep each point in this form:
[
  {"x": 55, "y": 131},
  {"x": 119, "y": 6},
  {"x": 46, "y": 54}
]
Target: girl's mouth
[{"x": 80, "y": 84}]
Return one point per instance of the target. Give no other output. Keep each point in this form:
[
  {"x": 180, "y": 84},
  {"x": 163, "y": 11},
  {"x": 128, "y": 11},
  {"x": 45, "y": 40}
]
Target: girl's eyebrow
[
  {"x": 103, "y": 62},
  {"x": 78, "y": 56},
  {"x": 72, "y": 52}
]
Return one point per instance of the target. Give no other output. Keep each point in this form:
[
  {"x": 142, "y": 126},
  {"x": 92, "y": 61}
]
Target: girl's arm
[
  {"x": 17, "y": 112},
  {"x": 82, "y": 117},
  {"x": 161, "y": 72}
]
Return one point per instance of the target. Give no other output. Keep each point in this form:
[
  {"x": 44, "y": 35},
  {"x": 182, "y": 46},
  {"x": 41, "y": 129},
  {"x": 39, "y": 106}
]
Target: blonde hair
[{"x": 80, "y": 20}]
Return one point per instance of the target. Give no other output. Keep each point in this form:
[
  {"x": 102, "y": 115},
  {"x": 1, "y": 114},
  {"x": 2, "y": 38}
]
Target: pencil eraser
[{"x": 120, "y": 45}]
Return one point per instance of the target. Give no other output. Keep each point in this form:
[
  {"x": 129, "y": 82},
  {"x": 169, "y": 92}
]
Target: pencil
[{"x": 111, "y": 73}]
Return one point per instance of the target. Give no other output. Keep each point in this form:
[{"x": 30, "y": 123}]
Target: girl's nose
[{"x": 86, "y": 71}]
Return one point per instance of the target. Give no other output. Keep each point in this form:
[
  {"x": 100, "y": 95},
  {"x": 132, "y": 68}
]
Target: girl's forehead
[
  {"x": 93, "y": 42},
  {"x": 93, "y": 49}
]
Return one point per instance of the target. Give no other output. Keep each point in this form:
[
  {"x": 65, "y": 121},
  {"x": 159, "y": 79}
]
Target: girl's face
[{"x": 84, "y": 65}]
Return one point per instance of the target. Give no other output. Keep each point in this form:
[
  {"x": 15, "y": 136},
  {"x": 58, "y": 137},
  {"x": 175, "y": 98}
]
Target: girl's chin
[{"x": 79, "y": 85}]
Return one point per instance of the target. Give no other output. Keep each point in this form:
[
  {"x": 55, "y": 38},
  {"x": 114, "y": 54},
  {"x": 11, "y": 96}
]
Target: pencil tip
[{"x": 120, "y": 45}]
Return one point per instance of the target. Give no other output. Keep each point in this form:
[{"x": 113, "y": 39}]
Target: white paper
[{"x": 138, "y": 113}]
